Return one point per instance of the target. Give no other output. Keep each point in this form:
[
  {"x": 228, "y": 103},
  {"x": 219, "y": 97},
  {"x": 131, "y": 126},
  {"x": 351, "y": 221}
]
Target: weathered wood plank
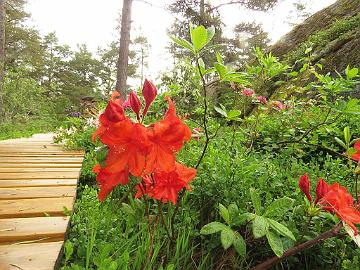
[
  {"x": 39, "y": 175},
  {"x": 40, "y": 159},
  {"x": 40, "y": 170},
  {"x": 46, "y": 229},
  {"x": 20, "y": 165},
  {"x": 36, "y": 192},
  {"x": 37, "y": 256},
  {"x": 38, "y": 183},
  {"x": 35, "y": 207}
]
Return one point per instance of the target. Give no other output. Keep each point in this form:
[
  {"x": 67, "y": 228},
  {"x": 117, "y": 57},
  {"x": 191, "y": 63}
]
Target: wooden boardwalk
[{"x": 37, "y": 183}]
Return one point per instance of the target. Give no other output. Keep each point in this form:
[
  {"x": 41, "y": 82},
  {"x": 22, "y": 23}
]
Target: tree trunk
[
  {"x": 122, "y": 64},
  {"x": 2, "y": 56}
]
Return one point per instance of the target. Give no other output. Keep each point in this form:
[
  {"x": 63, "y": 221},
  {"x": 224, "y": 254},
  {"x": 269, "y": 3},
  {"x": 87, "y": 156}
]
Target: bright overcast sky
[{"x": 93, "y": 22}]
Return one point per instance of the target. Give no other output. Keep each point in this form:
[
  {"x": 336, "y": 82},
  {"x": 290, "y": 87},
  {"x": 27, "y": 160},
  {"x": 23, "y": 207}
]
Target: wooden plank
[
  {"x": 39, "y": 165},
  {"x": 39, "y": 175},
  {"x": 36, "y": 192},
  {"x": 59, "y": 155},
  {"x": 37, "y": 256},
  {"x": 40, "y": 170},
  {"x": 35, "y": 207},
  {"x": 57, "y": 159},
  {"x": 46, "y": 229},
  {"x": 38, "y": 183}
]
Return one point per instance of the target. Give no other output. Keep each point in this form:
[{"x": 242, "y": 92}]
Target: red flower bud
[
  {"x": 304, "y": 185},
  {"x": 149, "y": 92},
  {"x": 114, "y": 111},
  {"x": 321, "y": 189},
  {"x": 135, "y": 104}
]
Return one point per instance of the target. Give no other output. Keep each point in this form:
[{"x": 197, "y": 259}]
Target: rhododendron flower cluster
[
  {"x": 263, "y": 100},
  {"x": 147, "y": 152},
  {"x": 333, "y": 198}
]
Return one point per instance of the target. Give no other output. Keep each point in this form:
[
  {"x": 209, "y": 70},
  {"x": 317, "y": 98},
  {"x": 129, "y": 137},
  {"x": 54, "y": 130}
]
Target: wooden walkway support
[{"x": 38, "y": 181}]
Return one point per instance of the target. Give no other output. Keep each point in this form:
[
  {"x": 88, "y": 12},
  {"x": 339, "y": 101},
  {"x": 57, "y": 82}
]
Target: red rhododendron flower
[
  {"x": 166, "y": 137},
  {"x": 356, "y": 156},
  {"x": 108, "y": 180},
  {"x": 149, "y": 92},
  {"x": 165, "y": 186},
  {"x": 340, "y": 202},
  {"x": 135, "y": 104},
  {"x": 262, "y": 99},
  {"x": 321, "y": 189},
  {"x": 128, "y": 146},
  {"x": 113, "y": 113},
  {"x": 248, "y": 92},
  {"x": 304, "y": 185}
]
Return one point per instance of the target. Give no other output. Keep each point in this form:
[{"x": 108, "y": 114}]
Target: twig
[{"x": 274, "y": 260}]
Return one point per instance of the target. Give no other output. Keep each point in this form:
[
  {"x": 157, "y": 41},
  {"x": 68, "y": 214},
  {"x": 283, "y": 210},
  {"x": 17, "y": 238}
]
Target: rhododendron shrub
[{"x": 144, "y": 151}]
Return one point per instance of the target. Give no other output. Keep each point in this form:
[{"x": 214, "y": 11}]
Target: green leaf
[
  {"x": 239, "y": 244},
  {"x": 219, "y": 58},
  {"x": 233, "y": 210},
  {"x": 101, "y": 154},
  {"x": 213, "y": 227},
  {"x": 354, "y": 141},
  {"x": 210, "y": 32},
  {"x": 340, "y": 142},
  {"x": 351, "y": 151},
  {"x": 281, "y": 229},
  {"x": 221, "y": 69},
  {"x": 221, "y": 111},
  {"x": 260, "y": 226},
  {"x": 227, "y": 237},
  {"x": 242, "y": 218},
  {"x": 275, "y": 243},
  {"x": 279, "y": 207},
  {"x": 233, "y": 114},
  {"x": 68, "y": 250},
  {"x": 182, "y": 43},
  {"x": 198, "y": 37},
  {"x": 351, "y": 73},
  {"x": 347, "y": 135},
  {"x": 255, "y": 198},
  {"x": 224, "y": 213}
]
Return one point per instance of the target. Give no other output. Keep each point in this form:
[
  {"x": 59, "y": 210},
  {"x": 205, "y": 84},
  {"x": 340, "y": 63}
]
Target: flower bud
[
  {"x": 135, "y": 104},
  {"x": 149, "y": 92},
  {"x": 304, "y": 185},
  {"x": 321, "y": 189}
]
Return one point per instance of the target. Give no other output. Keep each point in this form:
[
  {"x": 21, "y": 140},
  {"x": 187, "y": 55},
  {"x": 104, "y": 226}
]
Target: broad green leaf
[
  {"x": 340, "y": 142},
  {"x": 242, "y": 218},
  {"x": 221, "y": 111},
  {"x": 279, "y": 207},
  {"x": 68, "y": 250},
  {"x": 347, "y": 135},
  {"x": 281, "y": 229},
  {"x": 213, "y": 227},
  {"x": 210, "y": 32},
  {"x": 224, "y": 213},
  {"x": 128, "y": 209},
  {"x": 233, "y": 210},
  {"x": 351, "y": 73},
  {"x": 233, "y": 114},
  {"x": 221, "y": 69},
  {"x": 219, "y": 58},
  {"x": 275, "y": 243},
  {"x": 199, "y": 37},
  {"x": 182, "y": 43},
  {"x": 351, "y": 151},
  {"x": 255, "y": 198},
  {"x": 260, "y": 226},
  {"x": 239, "y": 244},
  {"x": 227, "y": 237}
]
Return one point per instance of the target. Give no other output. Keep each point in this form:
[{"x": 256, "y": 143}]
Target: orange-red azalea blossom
[
  {"x": 113, "y": 113},
  {"x": 340, "y": 202},
  {"x": 128, "y": 146},
  {"x": 108, "y": 180},
  {"x": 166, "y": 137},
  {"x": 165, "y": 186},
  {"x": 356, "y": 156}
]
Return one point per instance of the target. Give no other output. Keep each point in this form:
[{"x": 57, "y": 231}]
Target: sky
[{"x": 94, "y": 22}]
